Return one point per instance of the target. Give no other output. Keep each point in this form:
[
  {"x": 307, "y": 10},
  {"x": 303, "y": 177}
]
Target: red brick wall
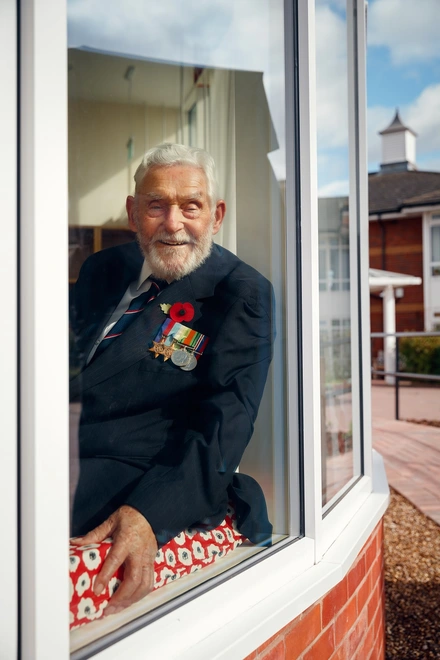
[
  {"x": 345, "y": 624},
  {"x": 403, "y": 254}
]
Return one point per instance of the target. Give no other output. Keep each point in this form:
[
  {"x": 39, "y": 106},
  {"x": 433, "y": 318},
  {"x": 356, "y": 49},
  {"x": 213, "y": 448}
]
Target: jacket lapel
[{"x": 136, "y": 341}]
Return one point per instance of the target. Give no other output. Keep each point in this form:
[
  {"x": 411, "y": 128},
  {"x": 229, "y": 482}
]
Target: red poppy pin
[{"x": 180, "y": 312}]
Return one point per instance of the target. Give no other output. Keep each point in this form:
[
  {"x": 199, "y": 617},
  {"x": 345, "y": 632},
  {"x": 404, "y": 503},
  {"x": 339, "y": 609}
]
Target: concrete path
[{"x": 411, "y": 451}]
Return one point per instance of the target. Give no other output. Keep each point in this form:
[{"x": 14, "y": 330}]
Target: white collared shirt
[{"x": 134, "y": 290}]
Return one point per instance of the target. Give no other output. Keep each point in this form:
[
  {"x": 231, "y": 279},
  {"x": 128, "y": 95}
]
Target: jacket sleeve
[{"x": 194, "y": 486}]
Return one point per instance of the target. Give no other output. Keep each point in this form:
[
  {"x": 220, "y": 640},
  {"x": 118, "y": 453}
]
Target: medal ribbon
[{"x": 174, "y": 331}]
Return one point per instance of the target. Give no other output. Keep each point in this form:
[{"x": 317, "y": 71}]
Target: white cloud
[
  {"x": 335, "y": 189},
  {"x": 220, "y": 33},
  {"x": 378, "y": 118},
  {"x": 409, "y": 28},
  {"x": 226, "y": 34},
  {"x": 331, "y": 79},
  {"x": 422, "y": 115}
]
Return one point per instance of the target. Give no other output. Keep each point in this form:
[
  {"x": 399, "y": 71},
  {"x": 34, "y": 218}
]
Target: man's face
[{"x": 173, "y": 219}]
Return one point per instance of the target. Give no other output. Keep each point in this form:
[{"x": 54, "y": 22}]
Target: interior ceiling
[{"x": 100, "y": 77}]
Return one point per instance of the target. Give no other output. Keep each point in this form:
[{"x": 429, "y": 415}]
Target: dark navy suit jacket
[{"x": 153, "y": 436}]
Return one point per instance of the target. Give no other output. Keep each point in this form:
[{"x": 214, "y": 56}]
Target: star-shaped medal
[
  {"x": 157, "y": 349},
  {"x": 167, "y": 352}
]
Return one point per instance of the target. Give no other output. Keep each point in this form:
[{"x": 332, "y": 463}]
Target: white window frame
[
  {"x": 270, "y": 593},
  {"x": 8, "y": 340},
  {"x": 430, "y": 219}
]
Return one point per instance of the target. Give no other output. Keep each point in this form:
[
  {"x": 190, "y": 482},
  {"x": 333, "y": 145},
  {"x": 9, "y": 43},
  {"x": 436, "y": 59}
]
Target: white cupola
[{"x": 398, "y": 147}]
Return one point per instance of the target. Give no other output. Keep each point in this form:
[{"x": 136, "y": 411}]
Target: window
[
  {"x": 132, "y": 83},
  {"x": 435, "y": 249},
  {"x": 338, "y": 256},
  {"x": 230, "y": 100}
]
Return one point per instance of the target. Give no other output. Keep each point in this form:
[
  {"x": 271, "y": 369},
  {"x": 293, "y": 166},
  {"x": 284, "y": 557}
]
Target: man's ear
[
  {"x": 130, "y": 206},
  {"x": 220, "y": 211}
]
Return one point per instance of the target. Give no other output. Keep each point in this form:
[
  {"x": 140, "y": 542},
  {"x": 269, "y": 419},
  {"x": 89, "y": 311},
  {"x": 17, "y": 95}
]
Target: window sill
[{"x": 240, "y": 614}]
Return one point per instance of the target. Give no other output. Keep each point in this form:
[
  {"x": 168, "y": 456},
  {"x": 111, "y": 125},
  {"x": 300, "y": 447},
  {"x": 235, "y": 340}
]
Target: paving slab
[{"x": 412, "y": 461}]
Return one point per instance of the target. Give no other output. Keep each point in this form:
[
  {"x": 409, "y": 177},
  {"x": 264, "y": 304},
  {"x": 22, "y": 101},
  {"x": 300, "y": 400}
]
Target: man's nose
[{"x": 173, "y": 219}]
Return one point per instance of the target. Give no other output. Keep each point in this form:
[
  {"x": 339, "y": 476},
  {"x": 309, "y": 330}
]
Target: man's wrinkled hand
[{"x": 134, "y": 546}]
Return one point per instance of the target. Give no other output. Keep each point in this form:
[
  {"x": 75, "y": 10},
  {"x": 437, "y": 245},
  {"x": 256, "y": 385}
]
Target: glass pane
[
  {"x": 333, "y": 212},
  {"x": 149, "y": 431},
  {"x": 81, "y": 246},
  {"x": 435, "y": 243}
]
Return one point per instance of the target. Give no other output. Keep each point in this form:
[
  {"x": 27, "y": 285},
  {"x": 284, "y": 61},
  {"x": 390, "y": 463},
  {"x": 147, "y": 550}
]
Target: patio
[{"x": 411, "y": 451}]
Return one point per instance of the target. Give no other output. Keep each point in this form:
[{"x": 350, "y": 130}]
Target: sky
[
  {"x": 403, "y": 62},
  {"x": 404, "y": 71}
]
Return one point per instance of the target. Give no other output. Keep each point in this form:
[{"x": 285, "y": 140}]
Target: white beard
[{"x": 172, "y": 263}]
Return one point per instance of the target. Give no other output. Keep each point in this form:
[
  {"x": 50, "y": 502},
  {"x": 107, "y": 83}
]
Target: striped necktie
[{"x": 136, "y": 306}]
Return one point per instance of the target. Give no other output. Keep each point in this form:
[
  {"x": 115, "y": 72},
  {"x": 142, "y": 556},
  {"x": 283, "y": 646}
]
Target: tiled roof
[{"x": 392, "y": 191}]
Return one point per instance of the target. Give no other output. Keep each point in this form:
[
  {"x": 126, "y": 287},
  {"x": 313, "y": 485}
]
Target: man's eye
[
  {"x": 192, "y": 207},
  {"x": 156, "y": 208}
]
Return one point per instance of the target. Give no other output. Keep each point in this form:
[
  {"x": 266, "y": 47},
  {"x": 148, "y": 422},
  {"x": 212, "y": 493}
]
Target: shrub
[{"x": 421, "y": 355}]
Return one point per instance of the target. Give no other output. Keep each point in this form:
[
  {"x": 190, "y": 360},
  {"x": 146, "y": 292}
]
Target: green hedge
[{"x": 420, "y": 355}]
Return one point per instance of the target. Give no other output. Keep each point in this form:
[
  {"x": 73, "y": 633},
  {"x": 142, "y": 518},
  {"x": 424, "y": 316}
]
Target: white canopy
[
  {"x": 379, "y": 279},
  {"x": 386, "y": 282}
]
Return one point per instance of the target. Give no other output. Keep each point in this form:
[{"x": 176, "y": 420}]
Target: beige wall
[{"x": 100, "y": 173}]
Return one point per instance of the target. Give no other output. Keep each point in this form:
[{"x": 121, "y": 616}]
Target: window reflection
[
  {"x": 337, "y": 344},
  {"x": 203, "y": 86}
]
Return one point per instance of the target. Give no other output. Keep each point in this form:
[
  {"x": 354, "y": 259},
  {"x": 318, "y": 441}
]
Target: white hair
[{"x": 169, "y": 154}]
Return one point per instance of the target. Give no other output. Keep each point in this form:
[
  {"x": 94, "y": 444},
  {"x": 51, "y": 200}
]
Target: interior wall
[
  {"x": 260, "y": 242},
  {"x": 100, "y": 167}
]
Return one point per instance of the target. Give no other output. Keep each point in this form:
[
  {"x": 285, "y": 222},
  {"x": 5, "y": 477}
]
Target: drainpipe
[{"x": 389, "y": 326}]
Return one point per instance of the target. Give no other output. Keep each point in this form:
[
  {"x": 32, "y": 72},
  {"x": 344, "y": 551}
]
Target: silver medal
[
  {"x": 192, "y": 363},
  {"x": 180, "y": 358}
]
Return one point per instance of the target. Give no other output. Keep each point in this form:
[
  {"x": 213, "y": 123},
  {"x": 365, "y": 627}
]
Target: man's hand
[{"x": 135, "y": 546}]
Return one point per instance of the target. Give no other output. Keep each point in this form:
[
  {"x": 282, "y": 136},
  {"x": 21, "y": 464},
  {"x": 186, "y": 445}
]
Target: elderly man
[{"x": 176, "y": 339}]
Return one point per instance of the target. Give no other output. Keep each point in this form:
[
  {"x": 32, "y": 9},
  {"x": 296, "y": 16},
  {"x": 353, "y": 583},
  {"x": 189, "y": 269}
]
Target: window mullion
[
  {"x": 8, "y": 343},
  {"x": 311, "y": 383},
  {"x": 364, "y": 349},
  {"x": 43, "y": 338}
]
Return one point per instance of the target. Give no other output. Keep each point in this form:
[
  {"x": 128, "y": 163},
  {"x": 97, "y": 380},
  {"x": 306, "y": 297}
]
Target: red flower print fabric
[{"x": 186, "y": 553}]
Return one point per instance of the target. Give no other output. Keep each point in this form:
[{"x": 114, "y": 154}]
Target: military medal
[
  {"x": 191, "y": 364},
  {"x": 182, "y": 344},
  {"x": 180, "y": 357}
]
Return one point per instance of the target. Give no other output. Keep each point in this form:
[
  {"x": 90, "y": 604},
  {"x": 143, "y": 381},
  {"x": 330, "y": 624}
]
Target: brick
[
  {"x": 370, "y": 554},
  {"x": 380, "y": 534},
  {"x": 323, "y": 647},
  {"x": 307, "y": 628},
  {"x": 369, "y": 641},
  {"x": 374, "y": 601},
  {"x": 377, "y": 569},
  {"x": 275, "y": 653},
  {"x": 356, "y": 635},
  {"x": 379, "y": 621},
  {"x": 363, "y": 594},
  {"x": 334, "y": 601},
  {"x": 356, "y": 575},
  {"x": 345, "y": 620},
  {"x": 280, "y": 634},
  {"x": 340, "y": 653}
]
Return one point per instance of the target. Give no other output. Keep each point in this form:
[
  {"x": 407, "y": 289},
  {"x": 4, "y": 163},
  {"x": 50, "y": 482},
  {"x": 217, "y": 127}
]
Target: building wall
[
  {"x": 403, "y": 254},
  {"x": 346, "y": 624}
]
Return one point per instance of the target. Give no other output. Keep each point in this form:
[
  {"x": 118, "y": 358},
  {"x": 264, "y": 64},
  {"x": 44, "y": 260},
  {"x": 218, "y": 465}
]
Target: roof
[
  {"x": 396, "y": 126},
  {"x": 379, "y": 279},
  {"x": 392, "y": 191}
]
